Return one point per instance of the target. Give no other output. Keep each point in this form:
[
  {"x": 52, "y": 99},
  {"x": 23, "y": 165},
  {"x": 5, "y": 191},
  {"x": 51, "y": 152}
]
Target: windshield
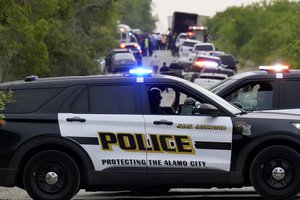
[
  {"x": 221, "y": 85},
  {"x": 215, "y": 98}
]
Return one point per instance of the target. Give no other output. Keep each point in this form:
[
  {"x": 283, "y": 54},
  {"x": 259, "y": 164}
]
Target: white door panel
[
  {"x": 192, "y": 141},
  {"x": 115, "y": 130}
]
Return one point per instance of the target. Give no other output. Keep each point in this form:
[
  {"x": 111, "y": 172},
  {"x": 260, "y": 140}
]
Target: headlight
[{"x": 296, "y": 125}]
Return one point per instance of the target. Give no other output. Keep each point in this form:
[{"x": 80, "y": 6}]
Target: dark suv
[
  {"x": 142, "y": 133},
  {"x": 229, "y": 61}
]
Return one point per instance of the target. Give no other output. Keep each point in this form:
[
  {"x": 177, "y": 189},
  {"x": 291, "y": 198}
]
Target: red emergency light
[{"x": 190, "y": 34}]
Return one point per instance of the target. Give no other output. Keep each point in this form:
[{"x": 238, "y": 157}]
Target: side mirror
[
  {"x": 236, "y": 61},
  {"x": 206, "y": 109}
]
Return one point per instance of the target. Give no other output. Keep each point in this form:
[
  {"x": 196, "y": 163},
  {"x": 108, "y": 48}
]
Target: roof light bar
[
  {"x": 140, "y": 71},
  {"x": 197, "y": 28},
  {"x": 275, "y": 68},
  {"x": 206, "y": 64}
]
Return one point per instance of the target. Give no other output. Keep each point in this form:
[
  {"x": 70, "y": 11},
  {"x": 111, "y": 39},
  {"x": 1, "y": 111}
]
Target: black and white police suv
[
  {"x": 272, "y": 88},
  {"x": 142, "y": 133}
]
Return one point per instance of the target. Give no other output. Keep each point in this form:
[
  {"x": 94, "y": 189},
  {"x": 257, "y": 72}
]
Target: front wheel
[
  {"x": 51, "y": 175},
  {"x": 275, "y": 173}
]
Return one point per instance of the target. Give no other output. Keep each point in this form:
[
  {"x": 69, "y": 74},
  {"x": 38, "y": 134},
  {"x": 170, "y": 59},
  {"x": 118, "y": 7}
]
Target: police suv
[
  {"x": 272, "y": 88},
  {"x": 60, "y": 135}
]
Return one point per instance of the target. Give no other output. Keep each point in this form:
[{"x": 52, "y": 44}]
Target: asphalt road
[
  {"x": 216, "y": 194},
  {"x": 162, "y": 55}
]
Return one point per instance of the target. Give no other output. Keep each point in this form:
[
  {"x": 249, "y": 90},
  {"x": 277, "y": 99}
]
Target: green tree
[
  {"x": 137, "y": 14},
  {"x": 62, "y": 37},
  {"x": 21, "y": 48},
  {"x": 260, "y": 33}
]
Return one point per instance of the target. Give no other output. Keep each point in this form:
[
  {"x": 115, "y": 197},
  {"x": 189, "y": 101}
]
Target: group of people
[{"x": 151, "y": 42}]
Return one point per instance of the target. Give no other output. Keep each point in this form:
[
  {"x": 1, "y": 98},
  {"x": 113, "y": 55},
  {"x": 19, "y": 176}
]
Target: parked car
[
  {"x": 201, "y": 49},
  {"x": 180, "y": 39},
  {"x": 136, "y": 50},
  {"x": 178, "y": 42},
  {"x": 108, "y": 59},
  {"x": 280, "y": 89},
  {"x": 123, "y": 62},
  {"x": 186, "y": 48},
  {"x": 209, "y": 64},
  {"x": 229, "y": 61},
  {"x": 204, "y": 48}
]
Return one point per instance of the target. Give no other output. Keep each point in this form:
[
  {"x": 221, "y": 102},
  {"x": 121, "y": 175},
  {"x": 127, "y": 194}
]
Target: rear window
[
  {"x": 189, "y": 44},
  {"x": 204, "y": 48},
  {"x": 108, "y": 99},
  {"x": 30, "y": 100},
  {"x": 227, "y": 60},
  {"x": 124, "y": 56}
]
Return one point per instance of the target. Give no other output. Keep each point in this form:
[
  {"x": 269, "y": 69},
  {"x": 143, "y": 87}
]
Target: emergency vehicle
[
  {"x": 277, "y": 83},
  {"x": 63, "y": 134}
]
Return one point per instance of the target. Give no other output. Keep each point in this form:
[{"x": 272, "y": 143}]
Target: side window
[
  {"x": 30, "y": 100},
  {"x": 169, "y": 100},
  {"x": 106, "y": 100},
  {"x": 253, "y": 96},
  {"x": 163, "y": 101},
  {"x": 81, "y": 104},
  {"x": 290, "y": 96}
]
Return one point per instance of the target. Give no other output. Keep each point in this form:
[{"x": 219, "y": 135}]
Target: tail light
[{"x": 122, "y": 45}]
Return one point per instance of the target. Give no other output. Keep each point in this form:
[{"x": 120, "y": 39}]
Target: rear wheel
[
  {"x": 275, "y": 173},
  {"x": 51, "y": 175}
]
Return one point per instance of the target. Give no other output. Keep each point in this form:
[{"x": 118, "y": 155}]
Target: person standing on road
[
  {"x": 153, "y": 42},
  {"x": 146, "y": 45},
  {"x": 158, "y": 41},
  {"x": 164, "y": 69},
  {"x": 155, "y": 63}
]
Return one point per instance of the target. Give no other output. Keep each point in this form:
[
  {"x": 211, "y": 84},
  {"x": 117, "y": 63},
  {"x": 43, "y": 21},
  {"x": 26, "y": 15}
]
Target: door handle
[
  {"x": 76, "y": 119},
  {"x": 163, "y": 122}
]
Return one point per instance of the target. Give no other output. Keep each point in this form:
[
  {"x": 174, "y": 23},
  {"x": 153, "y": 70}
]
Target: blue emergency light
[{"x": 140, "y": 71}]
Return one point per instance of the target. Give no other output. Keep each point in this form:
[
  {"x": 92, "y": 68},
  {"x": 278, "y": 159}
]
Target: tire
[
  {"x": 152, "y": 191},
  {"x": 275, "y": 173},
  {"x": 65, "y": 176}
]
